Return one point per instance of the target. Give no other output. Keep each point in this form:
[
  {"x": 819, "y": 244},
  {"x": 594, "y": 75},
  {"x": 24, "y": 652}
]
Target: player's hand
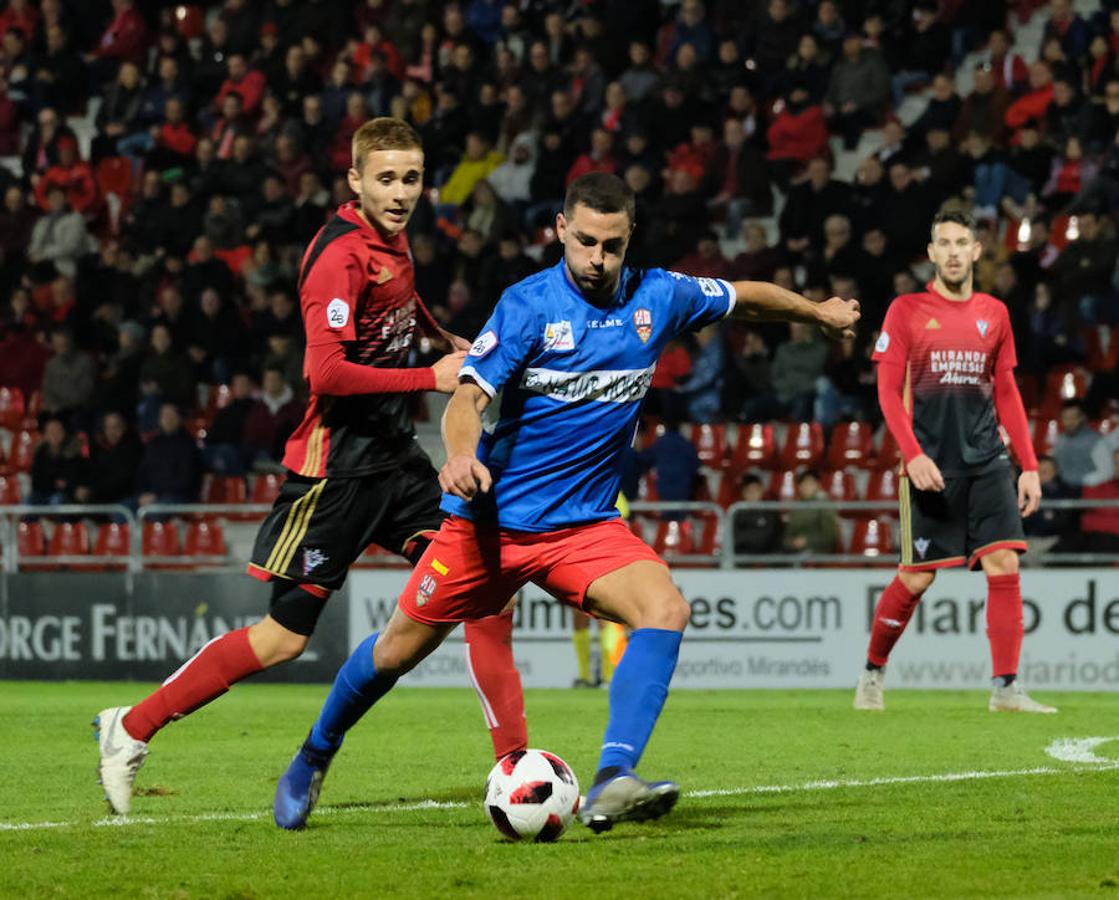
[
  {"x": 1029, "y": 493},
  {"x": 446, "y": 371},
  {"x": 837, "y": 317},
  {"x": 458, "y": 343},
  {"x": 463, "y": 476},
  {"x": 924, "y": 474}
]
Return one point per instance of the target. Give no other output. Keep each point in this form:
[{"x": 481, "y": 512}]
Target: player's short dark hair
[
  {"x": 955, "y": 215},
  {"x": 602, "y": 192}
]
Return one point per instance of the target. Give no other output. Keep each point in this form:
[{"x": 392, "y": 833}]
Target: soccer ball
[{"x": 532, "y": 795}]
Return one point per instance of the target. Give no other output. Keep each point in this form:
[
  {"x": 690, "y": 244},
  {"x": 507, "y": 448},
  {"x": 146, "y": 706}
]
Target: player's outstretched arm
[
  {"x": 762, "y": 301},
  {"x": 463, "y": 475}
]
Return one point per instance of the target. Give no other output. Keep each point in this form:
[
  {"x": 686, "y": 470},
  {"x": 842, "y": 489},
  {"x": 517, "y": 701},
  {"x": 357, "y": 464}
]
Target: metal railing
[{"x": 702, "y": 515}]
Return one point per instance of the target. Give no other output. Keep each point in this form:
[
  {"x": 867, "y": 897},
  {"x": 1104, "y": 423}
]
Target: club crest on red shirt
[{"x": 981, "y": 324}]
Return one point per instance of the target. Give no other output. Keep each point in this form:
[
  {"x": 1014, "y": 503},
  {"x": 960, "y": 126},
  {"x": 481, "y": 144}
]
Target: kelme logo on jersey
[
  {"x": 922, "y": 545},
  {"x": 643, "y": 322},
  {"x": 981, "y": 324},
  {"x": 558, "y": 336},
  {"x": 337, "y": 313},
  {"x": 426, "y": 589},
  {"x": 483, "y": 345}
]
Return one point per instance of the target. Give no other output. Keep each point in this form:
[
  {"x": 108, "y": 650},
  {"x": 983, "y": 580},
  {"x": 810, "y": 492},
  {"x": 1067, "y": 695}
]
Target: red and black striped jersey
[
  {"x": 356, "y": 289},
  {"x": 952, "y": 349}
]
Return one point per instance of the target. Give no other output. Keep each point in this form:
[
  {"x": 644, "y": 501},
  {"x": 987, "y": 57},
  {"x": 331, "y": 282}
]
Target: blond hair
[{"x": 383, "y": 133}]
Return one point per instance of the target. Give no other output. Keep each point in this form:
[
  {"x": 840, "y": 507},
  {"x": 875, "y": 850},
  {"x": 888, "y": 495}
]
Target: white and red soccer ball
[{"x": 532, "y": 795}]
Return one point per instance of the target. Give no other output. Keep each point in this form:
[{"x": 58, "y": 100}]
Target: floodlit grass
[{"x": 202, "y": 826}]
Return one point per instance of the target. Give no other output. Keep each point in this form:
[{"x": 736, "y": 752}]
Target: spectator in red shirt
[
  {"x": 375, "y": 42},
  {"x": 706, "y": 260},
  {"x": 248, "y": 84},
  {"x": 274, "y": 415},
  {"x": 600, "y": 158},
  {"x": 20, "y": 15},
  {"x": 1010, "y": 70},
  {"x": 694, "y": 156},
  {"x": 125, "y": 39},
  {"x": 673, "y": 369},
  {"x": 799, "y": 133},
  {"x": 1035, "y": 103},
  {"x": 73, "y": 175}
]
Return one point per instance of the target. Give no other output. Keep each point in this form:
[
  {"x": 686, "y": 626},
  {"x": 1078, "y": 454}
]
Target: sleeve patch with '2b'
[{"x": 337, "y": 313}]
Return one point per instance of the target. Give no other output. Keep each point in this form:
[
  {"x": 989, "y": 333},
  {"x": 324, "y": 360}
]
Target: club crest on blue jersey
[
  {"x": 981, "y": 324},
  {"x": 426, "y": 589},
  {"x": 643, "y": 322}
]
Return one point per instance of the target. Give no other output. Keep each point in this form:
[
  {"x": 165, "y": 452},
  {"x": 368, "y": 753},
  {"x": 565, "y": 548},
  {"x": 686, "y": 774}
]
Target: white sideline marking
[
  {"x": 1079, "y": 750},
  {"x": 1099, "y": 764}
]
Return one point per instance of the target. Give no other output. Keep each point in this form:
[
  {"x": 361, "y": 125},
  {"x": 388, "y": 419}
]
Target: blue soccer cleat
[
  {"x": 626, "y": 798},
  {"x": 297, "y": 791}
]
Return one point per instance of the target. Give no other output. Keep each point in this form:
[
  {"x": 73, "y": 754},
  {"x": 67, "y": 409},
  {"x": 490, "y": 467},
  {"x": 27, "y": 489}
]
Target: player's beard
[
  {"x": 956, "y": 285},
  {"x": 597, "y": 291}
]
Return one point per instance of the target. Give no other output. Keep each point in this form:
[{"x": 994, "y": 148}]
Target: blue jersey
[{"x": 571, "y": 377}]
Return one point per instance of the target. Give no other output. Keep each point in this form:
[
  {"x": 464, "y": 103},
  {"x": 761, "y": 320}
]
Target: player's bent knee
[
  {"x": 917, "y": 582},
  {"x": 1000, "y": 562},
  {"x": 274, "y": 644},
  {"x": 670, "y": 612}
]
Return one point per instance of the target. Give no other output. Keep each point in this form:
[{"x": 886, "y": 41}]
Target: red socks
[
  {"x": 895, "y": 606},
  {"x": 489, "y": 660},
  {"x": 1004, "y": 622},
  {"x": 208, "y": 674}
]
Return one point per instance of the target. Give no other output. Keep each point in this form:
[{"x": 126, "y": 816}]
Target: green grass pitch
[{"x": 202, "y": 827}]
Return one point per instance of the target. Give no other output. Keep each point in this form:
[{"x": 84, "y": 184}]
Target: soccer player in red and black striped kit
[
  {"x": 945, "y": 383},
  {"x": 356, "y": 473}
]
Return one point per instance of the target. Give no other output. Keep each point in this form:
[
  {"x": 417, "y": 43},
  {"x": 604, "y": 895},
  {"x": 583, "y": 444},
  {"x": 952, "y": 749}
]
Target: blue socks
[
  {"x": 637, "y": 694},
  {"x": 356, "y": 688}
]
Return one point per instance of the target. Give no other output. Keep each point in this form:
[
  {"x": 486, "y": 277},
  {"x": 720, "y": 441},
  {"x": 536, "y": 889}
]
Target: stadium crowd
[{"x": 151, "y": 325}]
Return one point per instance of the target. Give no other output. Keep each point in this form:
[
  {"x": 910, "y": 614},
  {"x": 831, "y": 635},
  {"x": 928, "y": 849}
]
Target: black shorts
[
  {"x": 319, "y": 526},
  {"x": 973, "y": 516}
]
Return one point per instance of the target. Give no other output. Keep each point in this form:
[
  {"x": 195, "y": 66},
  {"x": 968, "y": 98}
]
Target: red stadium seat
[
  {"x": 69, "y": 539},
  {"x": 674, "y": 538},
  {"x": 651, "y": 429},
  {"x": 227, "y": 489},
  {"x": 873, "y": 539},
  {"x": 755, "y": 448},
  {"x": 204, "y": 537},
  {"x": 1061, "y": 384},
  {"x": 728, "y": 490},
  {"x": 1046, "y": 432},
  {"x": 647, "y": 488},
  {"x": 888, "y": 456},
  {"x": 11, "y": 408},
  {"x": 840, "y": 486},
  {"x": 1101, "y": 343},
  {"x": 113, "y": 540},
  {"x": 267, "y": 488},
  {"x": 804, "y": 445},
  {"x": 22, "y": 452},
  {"x": 161, "y": 539},
  {"x": 31, "y": 411},
  {"x": 30, "y": 541},
  {"x": 9, "y": 490},
  {"x": 882, "y": 486},
  {"x": 710, "y": 442},
  {"x": 782, "y": 486},
  {"x": 852, "y": 444},
  {"x": 1105, "y": 426}
]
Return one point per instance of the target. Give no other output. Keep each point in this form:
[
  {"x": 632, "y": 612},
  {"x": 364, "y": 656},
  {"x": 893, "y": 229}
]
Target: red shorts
[{"x": 471, "y": 570}]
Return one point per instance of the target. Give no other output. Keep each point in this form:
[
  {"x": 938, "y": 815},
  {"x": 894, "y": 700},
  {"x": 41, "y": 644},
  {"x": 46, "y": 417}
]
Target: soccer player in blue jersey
[{"x": 568, "y": 354}]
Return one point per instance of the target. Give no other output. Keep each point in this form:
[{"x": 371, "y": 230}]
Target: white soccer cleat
[
  {"x": 1013, "y": 699},
  {"x": 121, "y": 757},
  {"x": 868, "y": 693}
]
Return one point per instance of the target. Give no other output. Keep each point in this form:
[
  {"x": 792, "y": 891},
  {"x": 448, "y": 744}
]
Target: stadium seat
[
  {"x": 888, "y": 456},
  {"x": 221, "y": 395},
  {"x": 651, "y": 429},
  {"x": 852, "y": 444},
  {"x": 31, "y": 411},
  {"x": 266, "y": 488},
  {"x": 69, "y": 539},
  {"x": 782, "y": 486},
  {"x": 377, "y": 557},
  {"x": 873, "y": 539},
  {"x": 1105, "y": 426},
  {"x": 204, "y": 537},
  {"x": 1046, "y": 432},
  {"x": 9, "y": 490},
  {"x": 22, "y": 452},
  {"x": 710, "y": 442},
  {"x": 225, "y": 489},
  {"x": 30, "y": 541},
  {"x": 161, "y": 539},
  {"x": 674, "y": 538},
  {"x": 647, "y": 488},
  {"x": 839, "y": 485},
  {"x": 113, "y": 539},
  {"x": 882, "y": 486},
  {"x": 11, "y": 408},
  {"x": 755, "y": 448},
  {"x": 727, "y": 489},
  {"x": 114, "y": 182},
  {"x": 1101, "y": 344},
  {"x": 1061, "y": 384},
  {"x": 804, "y": 445}
]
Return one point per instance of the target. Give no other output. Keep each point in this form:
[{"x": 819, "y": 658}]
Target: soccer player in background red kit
[
  {"x": 945, "y": 382},
  {"x": 356, "y": 473}
]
